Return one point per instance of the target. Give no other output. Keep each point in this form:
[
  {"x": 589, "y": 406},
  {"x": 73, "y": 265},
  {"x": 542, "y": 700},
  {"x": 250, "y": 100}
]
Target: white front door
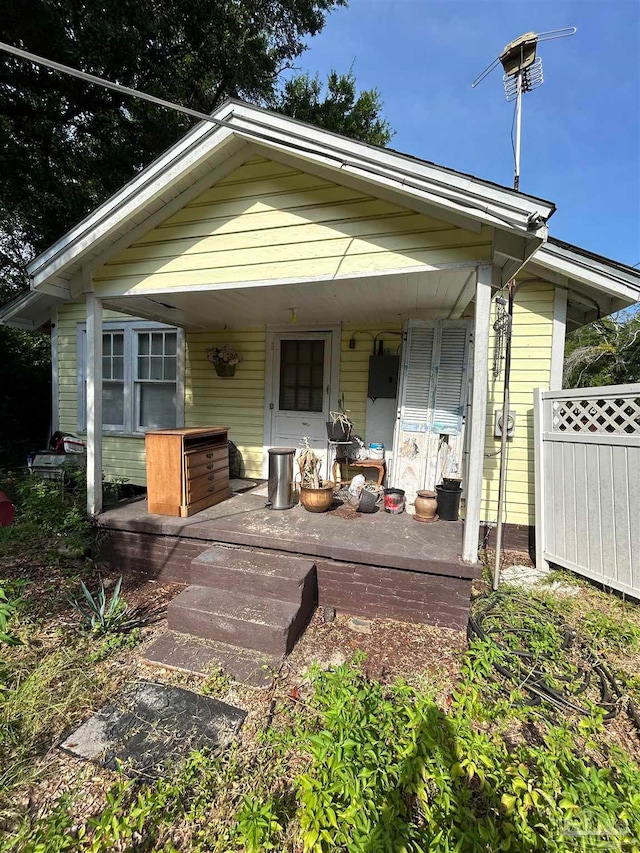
[{"x": 299, "y": 399}]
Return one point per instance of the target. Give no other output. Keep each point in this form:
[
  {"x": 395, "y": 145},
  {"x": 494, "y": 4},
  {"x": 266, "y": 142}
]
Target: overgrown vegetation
[
  {"x": 335, "y": 760},
  {"x": 50, "y": 515}
]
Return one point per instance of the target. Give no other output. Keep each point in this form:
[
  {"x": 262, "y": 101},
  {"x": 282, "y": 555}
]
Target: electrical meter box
[{"x": 383, "y": 376}]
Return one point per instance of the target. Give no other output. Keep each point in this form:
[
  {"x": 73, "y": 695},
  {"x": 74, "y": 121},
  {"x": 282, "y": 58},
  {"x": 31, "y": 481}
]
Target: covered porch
[{"x": 348, "y": 312}]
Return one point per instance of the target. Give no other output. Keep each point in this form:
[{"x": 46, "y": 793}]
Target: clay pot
[
  {"x": 317, "y": 500},
  {"x": 426, "y": 504}
]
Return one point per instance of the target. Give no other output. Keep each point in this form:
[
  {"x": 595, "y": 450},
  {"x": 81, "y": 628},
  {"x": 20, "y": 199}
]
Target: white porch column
[
  {"x": 94, "y": 404},
  {"x": 475, "y": 465}
]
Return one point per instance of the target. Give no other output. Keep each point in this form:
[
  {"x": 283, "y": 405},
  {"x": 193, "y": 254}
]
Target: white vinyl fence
[{"x": 587, "y": 453}]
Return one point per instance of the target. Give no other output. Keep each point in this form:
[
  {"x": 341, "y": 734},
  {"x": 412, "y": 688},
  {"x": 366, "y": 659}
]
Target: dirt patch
[{"x": 420, "y": 654}]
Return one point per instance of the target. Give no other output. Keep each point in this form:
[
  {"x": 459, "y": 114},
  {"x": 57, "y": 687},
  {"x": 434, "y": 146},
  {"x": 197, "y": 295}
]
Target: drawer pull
[
  {"x": 210, "y": 466},
  {"x": 211, "y": 488},
  {"x": 211, "y": 477},
  {"x": 209, "y": 455}
]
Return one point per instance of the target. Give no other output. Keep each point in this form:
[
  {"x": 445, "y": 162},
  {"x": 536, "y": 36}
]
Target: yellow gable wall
[
  {"x": 267, "y": 221},
  {"x": 530, "y": 369}
]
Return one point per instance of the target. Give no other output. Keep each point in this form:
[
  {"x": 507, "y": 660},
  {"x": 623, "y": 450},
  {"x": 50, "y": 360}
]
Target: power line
[{"x": 108, "y": 84}]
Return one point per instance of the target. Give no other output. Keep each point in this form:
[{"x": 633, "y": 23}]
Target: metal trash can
[{"x": 280, "y": 488}]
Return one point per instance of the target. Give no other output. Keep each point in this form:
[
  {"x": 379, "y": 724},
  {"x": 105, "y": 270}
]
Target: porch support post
[
  {"x": 475, "y": 466},
  {"x": 94, "y": 404}
]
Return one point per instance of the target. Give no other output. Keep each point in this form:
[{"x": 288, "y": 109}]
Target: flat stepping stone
[
  {"x": 198, "y": 657},
  {"x": 150, "y": 727}
]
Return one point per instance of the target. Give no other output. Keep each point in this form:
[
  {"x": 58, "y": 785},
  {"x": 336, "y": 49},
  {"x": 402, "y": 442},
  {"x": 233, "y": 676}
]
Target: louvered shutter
[
  {"x": 450, "y": 381},
  {"x": 417, "y": 391}
]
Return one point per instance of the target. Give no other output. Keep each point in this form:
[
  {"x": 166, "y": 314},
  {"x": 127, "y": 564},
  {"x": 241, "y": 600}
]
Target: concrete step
[
  {"x": 200, "y": 657},
  {"x": 277, "y": 576},
  {"x": 238, "y": 618}
]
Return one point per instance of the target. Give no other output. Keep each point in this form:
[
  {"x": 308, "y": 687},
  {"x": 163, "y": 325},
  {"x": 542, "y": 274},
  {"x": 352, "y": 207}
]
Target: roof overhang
[
  {"x": 596, "y": 286},
  {"x": 29, "y": 310}
]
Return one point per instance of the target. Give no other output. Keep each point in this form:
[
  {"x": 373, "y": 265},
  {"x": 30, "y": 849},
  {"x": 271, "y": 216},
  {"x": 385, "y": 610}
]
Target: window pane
[
  {"x": 170, "y": 368},
  {"x": 106, "y": 367},
  {"x": 156, "y": 368},
  {"x": 106, "y": 344},
  {"x": 143, "y": 367},
  {"x": 170, "y": 343},
  {"x": 157, "y": 406},
  {"x": 113, "y": 404},
  {"x": 117, "y": 367},
  {"x": 143, "y": 343},
  {"x": 301, "y": 375},
  {"x": 117, "y": 344},
  {"x": 156, "y": 343}
]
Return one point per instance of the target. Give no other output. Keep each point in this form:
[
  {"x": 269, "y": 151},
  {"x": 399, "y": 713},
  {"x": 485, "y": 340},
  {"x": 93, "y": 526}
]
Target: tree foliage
[
  {"x": 341, "y": 109},
  {"x": 65, "y": 145},
  {"x": 606, "y": 352}
]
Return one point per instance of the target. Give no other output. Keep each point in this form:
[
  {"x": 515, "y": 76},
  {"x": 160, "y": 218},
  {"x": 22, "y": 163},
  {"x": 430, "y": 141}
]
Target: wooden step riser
[
  {"x": 270, "y": 639},
  {"x": 266, "y": 586}
]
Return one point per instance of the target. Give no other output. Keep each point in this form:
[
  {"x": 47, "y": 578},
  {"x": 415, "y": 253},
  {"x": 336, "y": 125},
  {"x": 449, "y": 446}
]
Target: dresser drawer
[
  {"x": 205, "y": 466},
  {"x": 207, "y": 456},
  {"x": 206, "y": 484}
]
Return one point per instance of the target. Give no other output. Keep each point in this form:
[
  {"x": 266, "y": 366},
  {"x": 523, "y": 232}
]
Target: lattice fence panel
[{"x": 604, "y": 415}]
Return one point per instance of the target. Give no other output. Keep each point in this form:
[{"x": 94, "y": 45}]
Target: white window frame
[{"x": 129, "y": 328}]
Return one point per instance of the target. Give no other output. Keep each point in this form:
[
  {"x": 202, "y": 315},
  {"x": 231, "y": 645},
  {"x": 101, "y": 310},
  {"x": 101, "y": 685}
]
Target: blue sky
[{"x": 581, "y": 129}]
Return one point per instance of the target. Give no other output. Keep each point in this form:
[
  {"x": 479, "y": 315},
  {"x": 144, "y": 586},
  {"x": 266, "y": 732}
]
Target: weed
[
  {"x": 100, "y": 615},
  {"x": 7, "y": 611},
  {"x": 113, "y": 643}
]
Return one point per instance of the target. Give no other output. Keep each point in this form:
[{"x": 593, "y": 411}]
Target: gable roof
[{"x": 212, "y": 149}]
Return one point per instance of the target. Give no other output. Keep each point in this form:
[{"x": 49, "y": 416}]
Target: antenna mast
[{"x": 522, "y": 73}]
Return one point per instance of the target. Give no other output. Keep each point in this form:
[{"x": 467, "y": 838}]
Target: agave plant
[{"x": 100, "y": 615}]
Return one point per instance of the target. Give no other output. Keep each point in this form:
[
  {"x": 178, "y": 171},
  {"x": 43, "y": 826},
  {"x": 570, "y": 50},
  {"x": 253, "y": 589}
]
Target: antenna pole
[{"x": 516, "y": 177}]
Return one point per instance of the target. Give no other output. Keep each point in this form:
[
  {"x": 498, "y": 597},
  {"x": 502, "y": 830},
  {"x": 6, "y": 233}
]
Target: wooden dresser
[{"x": 187, "y": 469}]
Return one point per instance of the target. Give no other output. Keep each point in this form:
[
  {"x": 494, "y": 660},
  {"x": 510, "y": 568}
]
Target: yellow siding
[
  {"x": 238, "y": 402},
  {"x": 267, "y": 221},
  {"x": 530, "y": 369},
  {"x": 123, "y": 456},
  {"x": 354, "y": 367}
]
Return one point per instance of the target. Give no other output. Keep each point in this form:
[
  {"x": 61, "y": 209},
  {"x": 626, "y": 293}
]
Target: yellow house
[{"x": 313, "y": 257}]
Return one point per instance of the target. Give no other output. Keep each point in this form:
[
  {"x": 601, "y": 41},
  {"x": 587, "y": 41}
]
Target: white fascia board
[
  {"x": 489, "y": 202},
  {"x": 156, "y": 178},
  {"x": 609, "y": 279},
  {"x": 443, "y": 188},
  {"x": 28, "y": 311}
]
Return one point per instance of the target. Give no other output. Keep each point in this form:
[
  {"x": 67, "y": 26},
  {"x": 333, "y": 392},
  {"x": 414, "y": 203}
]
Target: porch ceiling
[{"x": 437, "y": 294}]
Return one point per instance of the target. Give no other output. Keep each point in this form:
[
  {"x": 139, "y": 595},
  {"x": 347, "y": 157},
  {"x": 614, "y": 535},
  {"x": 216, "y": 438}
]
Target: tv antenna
[{"x": 522, "y": 73}]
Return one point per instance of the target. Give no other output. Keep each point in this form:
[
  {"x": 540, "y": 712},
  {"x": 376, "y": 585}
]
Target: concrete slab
[
  {"x": 200, "y": 657},
  {"x": 151, "y": 726}
]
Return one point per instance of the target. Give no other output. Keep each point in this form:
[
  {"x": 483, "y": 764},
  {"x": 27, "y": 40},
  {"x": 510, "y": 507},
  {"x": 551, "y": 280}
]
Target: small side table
[
  {"x": 357, "y": 463},
  {"x": 336, "y": 450}
]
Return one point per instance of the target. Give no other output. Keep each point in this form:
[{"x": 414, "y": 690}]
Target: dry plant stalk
[{"x": 309, "y": 463}]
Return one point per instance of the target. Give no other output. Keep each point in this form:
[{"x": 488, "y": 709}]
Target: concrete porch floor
[{"x": 376, "y": 539}]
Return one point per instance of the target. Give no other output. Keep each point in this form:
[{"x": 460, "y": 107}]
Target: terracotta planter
[
  {"x": 225, "y": 369},
  {"x": 317, "y": 500},
  {"x": 426, "y": 505}
]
